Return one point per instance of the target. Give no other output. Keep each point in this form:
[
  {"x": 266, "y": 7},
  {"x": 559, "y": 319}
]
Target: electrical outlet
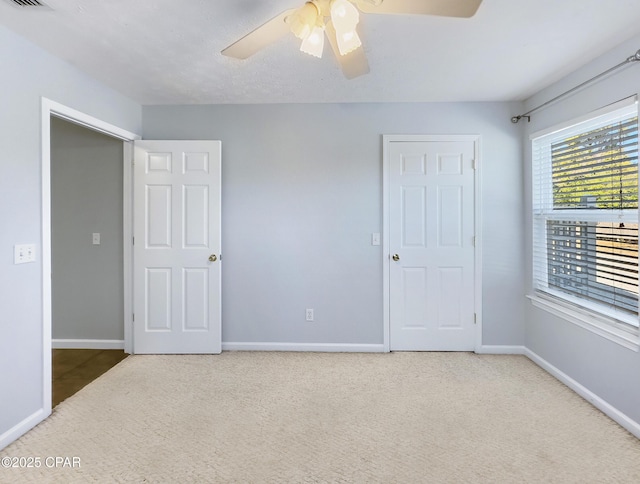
[{"x": 309, "y": 314}]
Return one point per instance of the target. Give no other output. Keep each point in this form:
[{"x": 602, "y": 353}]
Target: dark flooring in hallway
[{"x": 74, "y": 369}]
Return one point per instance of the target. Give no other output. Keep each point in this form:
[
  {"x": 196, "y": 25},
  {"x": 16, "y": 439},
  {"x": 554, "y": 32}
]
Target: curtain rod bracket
[{"x": 634, "y": 58}]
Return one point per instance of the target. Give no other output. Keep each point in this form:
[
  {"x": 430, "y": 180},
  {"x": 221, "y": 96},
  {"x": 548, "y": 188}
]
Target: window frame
[{"x": 617, "y": 325}]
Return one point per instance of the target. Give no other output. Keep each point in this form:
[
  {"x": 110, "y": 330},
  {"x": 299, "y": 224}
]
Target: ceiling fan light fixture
[
  {"x": 303, "y": 20},
  {"x": 348, "y": 41},
  {"x": 345, "y": 18},
  {"x": 313, "y": 44},
  {"x": 341, "y": 28},
  {"x": 344, "y": 15}
]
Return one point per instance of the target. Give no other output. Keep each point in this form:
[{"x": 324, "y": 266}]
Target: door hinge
[
  {"x": 473, "y": 240},
  {"x": 474, "y": 164},
  {"x": 475, "y": 318},
  {"x": 133, "y": 317},
  {"x": 133, "y": 241}
]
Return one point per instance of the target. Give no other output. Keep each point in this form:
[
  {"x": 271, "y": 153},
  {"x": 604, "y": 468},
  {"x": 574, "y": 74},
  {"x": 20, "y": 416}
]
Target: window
[{"x": 585, "y": 214}]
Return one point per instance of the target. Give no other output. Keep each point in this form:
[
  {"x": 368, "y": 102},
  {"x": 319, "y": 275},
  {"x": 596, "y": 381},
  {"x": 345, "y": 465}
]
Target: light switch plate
[
  {"x": 96, "y": 238},
  {"x": 375, "y": 238},
  {"x": 24, "y": 253}
]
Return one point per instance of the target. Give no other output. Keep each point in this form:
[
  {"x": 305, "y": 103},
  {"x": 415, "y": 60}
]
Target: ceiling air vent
[{"x": 27, "y": 3}]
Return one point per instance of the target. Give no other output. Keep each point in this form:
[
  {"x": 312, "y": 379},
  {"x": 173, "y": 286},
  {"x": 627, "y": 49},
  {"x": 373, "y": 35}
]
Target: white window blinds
[{"x": 585, "y": 213}]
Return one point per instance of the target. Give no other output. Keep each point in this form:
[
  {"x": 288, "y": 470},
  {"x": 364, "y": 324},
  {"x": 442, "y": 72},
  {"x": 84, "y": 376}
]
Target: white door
[
  {"x": 177, "y": 247},
  {"x": 431, "y": 244}
]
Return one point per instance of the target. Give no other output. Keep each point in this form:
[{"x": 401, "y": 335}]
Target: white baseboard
[
  {"x": 500, "y": 350},
  {"x": 22, "y": 427},
  {"x": 88, "y": 344},
  {"x": 320, "y": 347},
  {"x": 604, "y": 406}
]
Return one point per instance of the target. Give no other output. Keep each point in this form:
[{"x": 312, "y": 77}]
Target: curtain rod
[{"x": 634, "y": 58}]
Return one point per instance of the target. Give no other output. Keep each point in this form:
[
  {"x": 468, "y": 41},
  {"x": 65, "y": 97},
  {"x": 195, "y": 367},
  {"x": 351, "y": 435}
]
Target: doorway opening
[
  {"x": 51, "y": 109},
  {"x": 86, "y": 255}
]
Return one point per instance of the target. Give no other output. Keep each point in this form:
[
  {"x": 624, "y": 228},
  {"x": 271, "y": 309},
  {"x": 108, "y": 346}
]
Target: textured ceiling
[{"x": 168, "y": 51}]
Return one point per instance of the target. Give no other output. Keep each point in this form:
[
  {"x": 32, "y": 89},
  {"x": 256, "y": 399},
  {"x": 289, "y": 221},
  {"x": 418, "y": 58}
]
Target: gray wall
[
  {"x": 607, "y": 369},
  {"x": 28, "y": 73},
  {"x": 86, "y": 197},
  {"x": 302, "y": 193}
]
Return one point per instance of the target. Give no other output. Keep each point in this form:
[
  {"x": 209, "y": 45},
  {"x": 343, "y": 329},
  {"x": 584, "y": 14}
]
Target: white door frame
[
  {"x": 51, "y": 108},
  {"x": 386, "y": 284}
]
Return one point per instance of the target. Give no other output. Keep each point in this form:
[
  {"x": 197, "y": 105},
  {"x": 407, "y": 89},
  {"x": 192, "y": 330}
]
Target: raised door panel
[
  {"x": 415, "y": 297},
  {"x": 195, "y": 216},
  {"x": 414, "y": 217},
  {"x": 158, "y": 215},
  {"x": 157, "y": 297},
  {"x": 195, "y": 297},
  {"x": 450, "y": 217},
  {"x": 451, "y": 290}
]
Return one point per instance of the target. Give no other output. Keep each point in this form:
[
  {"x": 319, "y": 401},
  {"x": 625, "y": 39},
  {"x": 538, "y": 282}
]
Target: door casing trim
[
  {"x": 386, "y": 283},
  {"x": 52, "y": 108}
]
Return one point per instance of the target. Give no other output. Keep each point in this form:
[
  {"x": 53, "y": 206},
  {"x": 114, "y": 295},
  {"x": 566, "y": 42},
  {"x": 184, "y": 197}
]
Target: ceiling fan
[{"x": 338, "y": 20}]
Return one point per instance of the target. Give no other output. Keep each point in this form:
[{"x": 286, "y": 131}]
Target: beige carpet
[{"x": 313, "y": 417}]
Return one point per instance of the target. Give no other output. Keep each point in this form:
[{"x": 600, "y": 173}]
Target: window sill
[{"x": 606, "y": 327}]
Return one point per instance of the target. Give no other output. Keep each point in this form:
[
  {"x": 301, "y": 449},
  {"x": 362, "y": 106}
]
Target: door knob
[
  {"x": 395, "y": 257},
  {"x": 213, "y": 258}
]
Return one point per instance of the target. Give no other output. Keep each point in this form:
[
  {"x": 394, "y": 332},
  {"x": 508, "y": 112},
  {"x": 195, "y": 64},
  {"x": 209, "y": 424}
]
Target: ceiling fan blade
[
  {"x": 355, "y": 63},
  {"x": 259, "y": 38},
  {"x": 445, "y": 8}
]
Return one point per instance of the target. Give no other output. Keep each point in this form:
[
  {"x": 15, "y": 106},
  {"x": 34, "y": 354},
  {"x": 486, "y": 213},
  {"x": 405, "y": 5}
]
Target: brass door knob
[
  {"x": 213, "y": 258},
  {"x": 395, "y": 257}
]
